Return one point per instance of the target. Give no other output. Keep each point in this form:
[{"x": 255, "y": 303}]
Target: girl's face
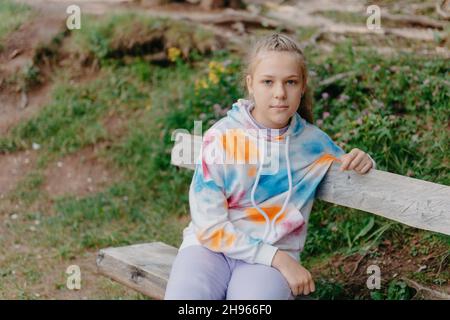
[{"x": 276, "y": 85}]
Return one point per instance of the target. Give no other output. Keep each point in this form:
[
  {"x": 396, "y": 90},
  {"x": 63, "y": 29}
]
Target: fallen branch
[
  {"x": 431, "y": 292},
  {"x": 228, "y": 16},
  {"x": 414, "y": 20},
  {"x": 24, "y": 99},
  {"x": 440, "y": 9},
  {"x": 357, "y": 263},
  {"x": 231, "y": 16},
  {"x": 408, "y": 33},
  {"x": 297, "y": 18}
]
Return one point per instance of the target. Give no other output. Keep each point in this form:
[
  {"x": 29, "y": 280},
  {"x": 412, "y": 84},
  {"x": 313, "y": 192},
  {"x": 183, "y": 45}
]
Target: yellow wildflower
[
  {"x": 216, "y": 66},
  {"x": 204, "y": 84},
  {"x": 213, "y": 77},
  {"x": 200, "y": 84},
  {"x": 174, "y": 53}
]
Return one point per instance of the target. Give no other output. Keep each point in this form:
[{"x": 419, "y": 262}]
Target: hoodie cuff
[{"x": 265, "y": 254}]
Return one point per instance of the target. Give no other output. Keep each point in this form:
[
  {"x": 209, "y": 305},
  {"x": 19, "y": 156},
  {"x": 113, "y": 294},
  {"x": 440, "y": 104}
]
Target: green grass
[{"x": 12, "y": 16}]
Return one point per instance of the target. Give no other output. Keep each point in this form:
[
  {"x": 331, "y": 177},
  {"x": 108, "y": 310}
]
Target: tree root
[{"x": 428, "y": 292}]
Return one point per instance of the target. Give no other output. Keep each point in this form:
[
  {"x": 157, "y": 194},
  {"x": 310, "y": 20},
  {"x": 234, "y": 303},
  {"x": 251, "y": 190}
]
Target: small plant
[{"x": 328, "y": 290}]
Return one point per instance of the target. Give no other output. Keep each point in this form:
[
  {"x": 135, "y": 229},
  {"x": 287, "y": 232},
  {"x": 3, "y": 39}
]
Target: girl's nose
[{"x": 280, "y": 92}]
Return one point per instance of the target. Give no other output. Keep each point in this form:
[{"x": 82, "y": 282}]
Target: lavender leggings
[{"x": 201, "y": 274}]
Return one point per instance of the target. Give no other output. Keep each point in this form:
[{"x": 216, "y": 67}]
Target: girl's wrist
[{"x": 279, "y": 260}]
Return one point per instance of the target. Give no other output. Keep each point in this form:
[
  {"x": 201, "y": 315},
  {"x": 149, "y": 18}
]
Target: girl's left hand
[{"x": 356, "y": 160}]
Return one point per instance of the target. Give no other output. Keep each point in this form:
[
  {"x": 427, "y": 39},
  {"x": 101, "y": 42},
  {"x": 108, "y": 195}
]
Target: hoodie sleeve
[
  {"x": 332, "y": 148},
  {"x": 209, "y": 210}
]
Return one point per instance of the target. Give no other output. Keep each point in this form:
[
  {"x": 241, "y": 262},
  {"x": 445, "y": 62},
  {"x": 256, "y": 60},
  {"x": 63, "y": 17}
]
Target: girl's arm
[
  {"x": 299, "y": 278},
  {"x": 356, "y": 159}
]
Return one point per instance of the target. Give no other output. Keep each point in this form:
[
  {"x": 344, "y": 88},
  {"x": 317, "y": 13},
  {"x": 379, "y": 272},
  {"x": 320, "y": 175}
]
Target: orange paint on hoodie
[
  {"x": 324, "y": 159},
  {"x": 254, "y": 215},
  {"x": 238, "y": 146},
  {"x": 217, "y": 239}
]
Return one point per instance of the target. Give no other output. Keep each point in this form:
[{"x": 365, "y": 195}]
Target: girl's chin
[{"x": 280, "y": 122}]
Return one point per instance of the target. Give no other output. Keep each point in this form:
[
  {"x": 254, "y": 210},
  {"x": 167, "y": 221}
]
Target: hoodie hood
[{"x": 239, "y": 114}]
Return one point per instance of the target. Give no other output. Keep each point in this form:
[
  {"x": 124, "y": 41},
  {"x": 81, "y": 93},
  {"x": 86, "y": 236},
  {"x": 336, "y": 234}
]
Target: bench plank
[
  {"x": 416, "y": 203},
  {"x": 143, "y": 267}
]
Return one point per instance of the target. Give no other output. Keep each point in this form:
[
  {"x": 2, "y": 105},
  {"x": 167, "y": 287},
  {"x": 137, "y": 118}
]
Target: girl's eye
[
  {"x": 292, "y": 82},
  {"x": 266, "y": 81}
]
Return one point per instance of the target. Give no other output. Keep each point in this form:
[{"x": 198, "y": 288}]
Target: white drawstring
[{"x": 286, "y": 201}]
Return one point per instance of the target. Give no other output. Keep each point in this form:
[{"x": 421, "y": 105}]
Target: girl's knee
[
  {"x": 258, "y": 282},
  {"x": 269, "y": 293},
  {"x": 191, "y": 289},
  {"x": 197, "y": 273}
]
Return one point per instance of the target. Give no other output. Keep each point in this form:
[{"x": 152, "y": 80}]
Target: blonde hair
[{"x": 281, "y": 43}]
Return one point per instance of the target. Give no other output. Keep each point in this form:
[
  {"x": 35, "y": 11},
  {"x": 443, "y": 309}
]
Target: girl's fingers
[
  {"x": 306, "y": 289},
  {"x": 298, "y": 290},
  {"x": 359, "y": 158},
  {"x": 347, "y": 159},
  {"x": 366, "y": 168},
  {"x": 294, "y": 289},
  {"x": 312, "y": 286},
  {"x": 361, "y": 166}
]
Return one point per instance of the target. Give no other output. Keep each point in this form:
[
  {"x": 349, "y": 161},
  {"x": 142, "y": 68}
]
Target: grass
[
  {"x": 387, "y": 107},
  {"x": 12, "y": 16}
]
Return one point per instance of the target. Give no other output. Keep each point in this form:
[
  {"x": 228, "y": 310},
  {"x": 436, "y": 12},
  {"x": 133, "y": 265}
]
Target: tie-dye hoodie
[{"x": 247, "y": 210}]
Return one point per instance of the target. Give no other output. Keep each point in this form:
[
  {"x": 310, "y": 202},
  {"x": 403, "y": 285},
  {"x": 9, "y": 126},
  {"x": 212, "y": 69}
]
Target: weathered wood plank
[
  {"x": 143, "y": 267},
  {"x": 417, "y": 203}
]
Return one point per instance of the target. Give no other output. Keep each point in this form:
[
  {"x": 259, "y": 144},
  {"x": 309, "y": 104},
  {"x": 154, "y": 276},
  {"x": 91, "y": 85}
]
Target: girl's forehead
[{"x": 276, "y": 62}]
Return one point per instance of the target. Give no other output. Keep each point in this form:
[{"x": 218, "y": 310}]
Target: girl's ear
[{"x": 248, "y": 80}]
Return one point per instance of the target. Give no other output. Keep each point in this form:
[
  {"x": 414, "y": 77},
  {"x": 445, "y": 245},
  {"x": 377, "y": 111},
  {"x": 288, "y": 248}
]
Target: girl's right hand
[{"x": 299, "y": 279}]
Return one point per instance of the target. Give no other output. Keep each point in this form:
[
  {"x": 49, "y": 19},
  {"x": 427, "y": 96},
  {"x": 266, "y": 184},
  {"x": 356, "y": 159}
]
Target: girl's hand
[
  {"x": 299, "y": 279},
  {"x": 356, "y": 160}
]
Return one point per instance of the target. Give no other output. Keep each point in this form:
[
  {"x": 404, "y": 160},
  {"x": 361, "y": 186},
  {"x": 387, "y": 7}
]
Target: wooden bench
[{"x": 413, "y": 202}]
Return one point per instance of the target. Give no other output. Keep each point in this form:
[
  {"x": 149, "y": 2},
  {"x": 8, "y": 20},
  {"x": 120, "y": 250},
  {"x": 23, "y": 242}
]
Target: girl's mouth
[{"x": 280, "y": 107}]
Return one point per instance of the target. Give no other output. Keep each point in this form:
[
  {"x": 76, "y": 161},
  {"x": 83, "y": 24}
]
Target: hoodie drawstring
[{"x": 270, "y": 225}]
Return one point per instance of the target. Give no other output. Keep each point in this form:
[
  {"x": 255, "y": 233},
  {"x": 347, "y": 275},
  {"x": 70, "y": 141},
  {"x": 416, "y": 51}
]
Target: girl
[{"x": 249, "y": 218}]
